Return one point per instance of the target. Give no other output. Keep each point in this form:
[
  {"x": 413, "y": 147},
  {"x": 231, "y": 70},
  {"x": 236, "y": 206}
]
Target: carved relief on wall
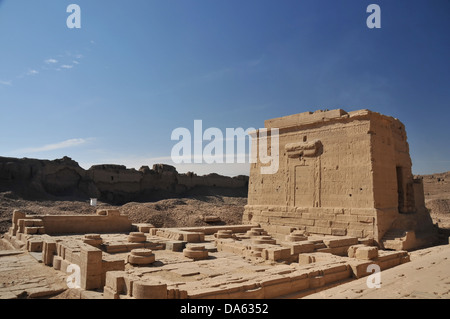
[
  {"x": 304, "y": 173},
  {"x": 304, "y": 149}
]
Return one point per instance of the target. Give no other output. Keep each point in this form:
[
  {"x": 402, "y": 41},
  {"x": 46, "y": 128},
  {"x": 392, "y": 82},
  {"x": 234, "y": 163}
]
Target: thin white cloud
[
  {"x": 56, "y": 146},
  {"x": 255, "y": 62},
  {"x": 32, "y": 72},
  {"x": 51, "y": 61},
  {"x": 66, "y": 66},
  {"x": 5, "y": 82},
  {"x": 75, "y": 62}
]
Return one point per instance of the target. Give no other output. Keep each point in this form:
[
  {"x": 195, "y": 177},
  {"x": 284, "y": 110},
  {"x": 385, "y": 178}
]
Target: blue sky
[{"x": 115, "y": 89}]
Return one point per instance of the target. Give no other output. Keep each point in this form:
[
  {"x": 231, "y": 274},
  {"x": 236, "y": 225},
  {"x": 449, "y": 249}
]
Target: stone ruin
[
  {"x": 343, "y": 200},
  {"x": 342, "y": 174},
  {"x": 122, "y": 260}
]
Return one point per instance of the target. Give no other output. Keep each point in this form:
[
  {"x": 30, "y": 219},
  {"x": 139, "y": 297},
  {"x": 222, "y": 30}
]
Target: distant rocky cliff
[{"x": 33, "y": 178}]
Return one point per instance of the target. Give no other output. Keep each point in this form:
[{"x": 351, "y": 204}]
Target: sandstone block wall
[
  {"x": 339, "y": 174},
  {"x": 110, "y": 222}
]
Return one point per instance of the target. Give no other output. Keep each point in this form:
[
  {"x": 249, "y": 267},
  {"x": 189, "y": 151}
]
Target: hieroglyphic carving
[{"x": 304, "y": 149}]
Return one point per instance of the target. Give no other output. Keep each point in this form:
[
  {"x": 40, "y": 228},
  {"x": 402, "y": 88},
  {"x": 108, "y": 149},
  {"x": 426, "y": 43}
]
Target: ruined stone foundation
[{"x": 344, "y": 174}]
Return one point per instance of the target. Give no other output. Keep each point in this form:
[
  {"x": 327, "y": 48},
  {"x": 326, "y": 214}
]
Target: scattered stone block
[
  {"x": 351, "y": 252},
  {"x": 144, "y": 228},
  {"x": 196, "y": 252},
  {"x": 263, "y": 240},
  {"x": 302, "y": 247},
  {"x": 117, "y": 264},
  {"x": 366, "y": 253},
  {"x": 276, "y": 253},
  {"x": 115, "y": 280},
  {"x": 316, "y": 257},
  {"x": 175, "y": 245},
  {"x": 109, "y": 293},
  {"x": 48, "y": 250},
  {"x": 114, "y": 248},
  {"x": 149, "y": 290},
  {"x": 256, "y": 231},
  {"x": 90, "y": 255},
  {"x": 140, "y": 257},
  {"x": 226, "y": 233},
  {"x": 339, "y": 251},
  {"x": 182, "y": 235},
  {"x": 339, "y": 242},
  {"x": 91, "y": 267},
  {"x": 34, "y": 245},
  {"x": 304, "y": 259},
  {"x": 57, "y": 262},
  {"x": 295, "y": 237},
  {"x": 193, "y": 237},
  {"x": 137, "y": 237},
  {"x": 93, "y": 240}
]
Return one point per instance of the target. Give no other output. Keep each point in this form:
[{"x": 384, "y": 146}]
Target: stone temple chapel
[{"x": 345, "y": 174}]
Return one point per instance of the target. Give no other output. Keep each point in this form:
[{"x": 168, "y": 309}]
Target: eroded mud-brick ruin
[{"x": 342, "y": 200}]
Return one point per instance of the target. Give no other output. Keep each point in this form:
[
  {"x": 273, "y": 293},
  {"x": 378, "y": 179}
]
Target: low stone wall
[
  {"x": 93, "y": 268},
  {"x": 106, "y": 221},
  {"x": 196, "y": 234},
  {"x": 357, "y": 222}
]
